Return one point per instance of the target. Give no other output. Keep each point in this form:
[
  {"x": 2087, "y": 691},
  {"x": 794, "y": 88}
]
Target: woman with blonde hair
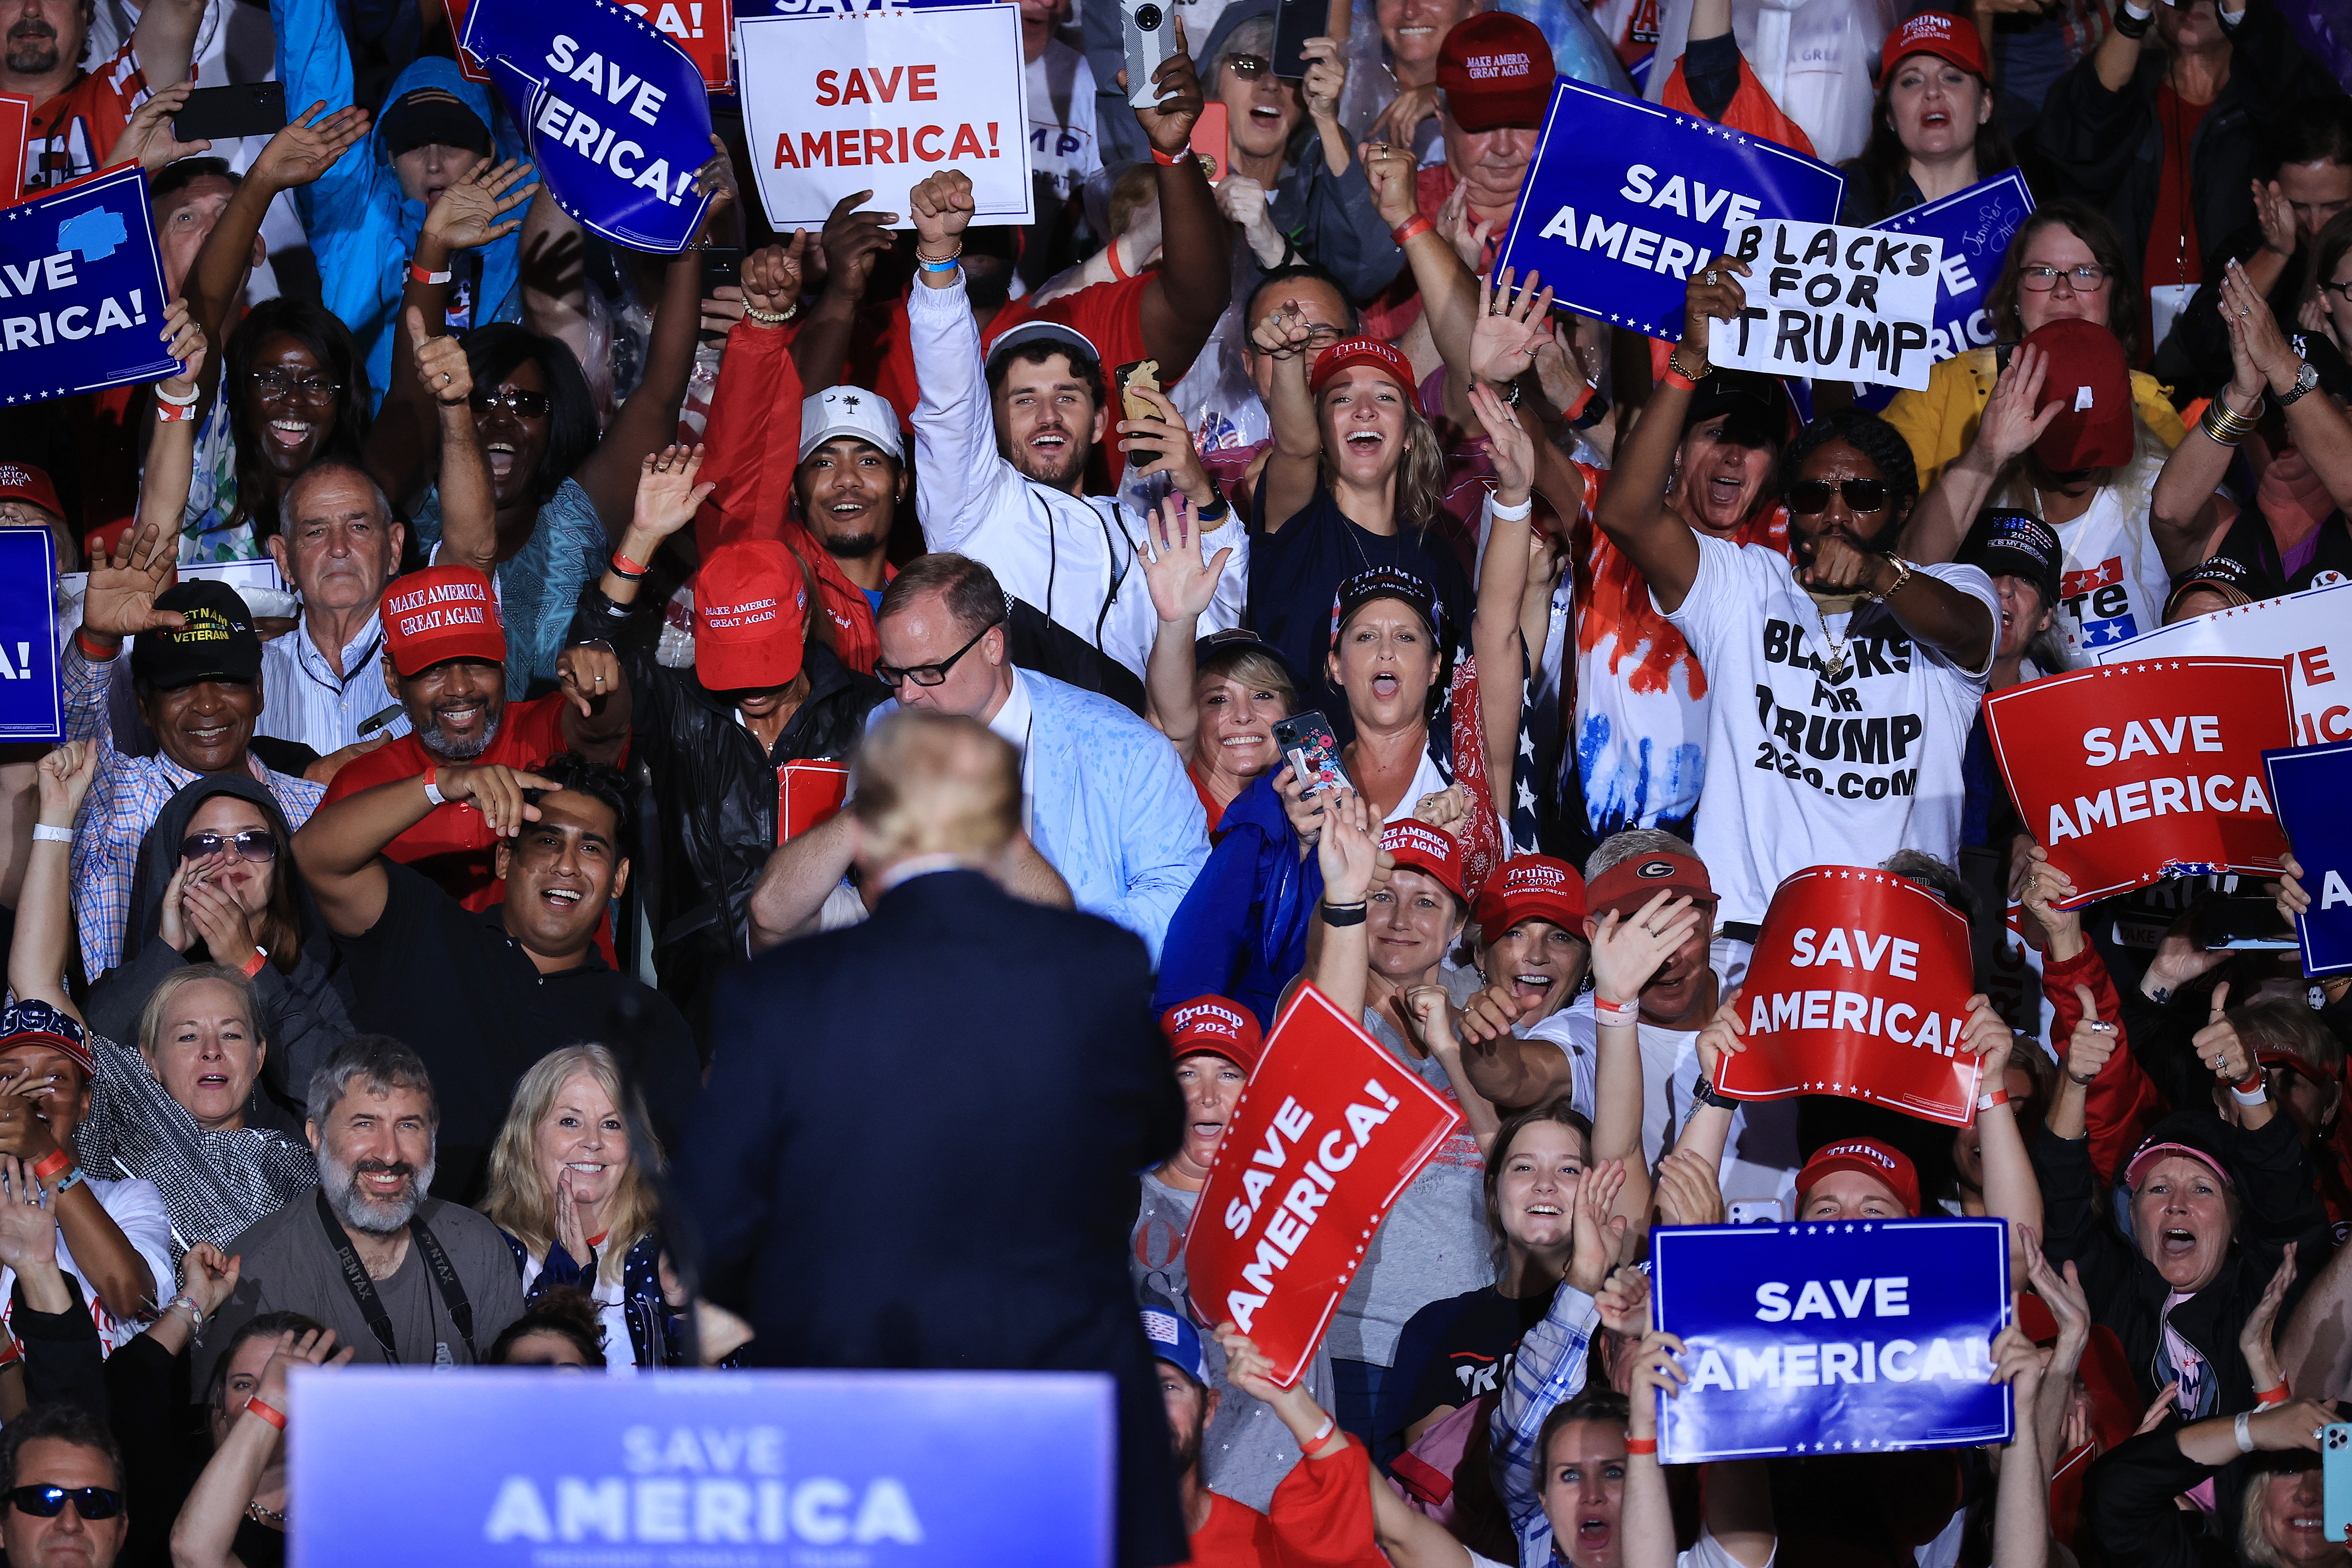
[{"x": 577, "y": 1208}]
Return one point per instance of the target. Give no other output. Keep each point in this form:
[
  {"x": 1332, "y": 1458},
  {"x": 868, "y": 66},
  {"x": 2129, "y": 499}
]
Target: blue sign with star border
[
  {"x": 1624, "y": 196},
  {"x": 2309, "y": 784},
  {"x": 81, "y": 291},
  {"x": 1832, "y": 1337}
]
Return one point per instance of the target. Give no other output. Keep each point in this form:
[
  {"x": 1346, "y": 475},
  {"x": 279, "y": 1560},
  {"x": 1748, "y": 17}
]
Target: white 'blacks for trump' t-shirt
[{"x": 1811, "y": 761}]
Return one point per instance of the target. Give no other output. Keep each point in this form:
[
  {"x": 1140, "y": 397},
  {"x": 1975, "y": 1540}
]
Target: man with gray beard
[
  {"x": 404, "y": 1278},
  {"x": 445, "y": 654}
]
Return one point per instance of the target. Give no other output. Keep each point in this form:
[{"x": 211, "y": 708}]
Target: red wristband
[
  {"x": 626, "y": 567},
  {"x": 1679, "y": 382},
  {"x": 417, "y": 274},
  {"x": 1169, "y": 161},
  {"x": 56, "y": 1164},
  {"x": 11, "y": 1353},
  {"x": 1409, "y": 228},
  {"x": 1641, "y": 1445},
  {"x": 253, "y": 966},
  {"x": 275, "y": 1416},
  {"x": 1583, "y": 400},
  {"x": 2278, "y": 1396},
  {"x": 1118, "y": 274},
  {"x": 92, "y": 652}
]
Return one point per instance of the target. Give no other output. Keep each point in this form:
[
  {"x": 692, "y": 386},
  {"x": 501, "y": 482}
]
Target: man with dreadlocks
[{"x": 1865, "y": 668}]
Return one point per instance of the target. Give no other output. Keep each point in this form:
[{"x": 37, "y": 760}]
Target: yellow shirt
[{"x": 1940, "y": 422}]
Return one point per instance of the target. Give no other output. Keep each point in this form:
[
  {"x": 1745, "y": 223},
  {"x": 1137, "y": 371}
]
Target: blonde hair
[
  {"x": 521, "y": 1200},
  {"x": 159, "y": 1001},
  {"x": 935, "y": 784}
]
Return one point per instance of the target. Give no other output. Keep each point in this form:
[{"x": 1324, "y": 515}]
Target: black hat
[
  {"x": 432, "y": 114},
  {"x": 1386, "y": 582},
  {"x": 217, "y": 642},
  {"x": 2015, "y": 544},
  {"x": 1757, "y": 407},
  {"x": 2223, "y": 574}
]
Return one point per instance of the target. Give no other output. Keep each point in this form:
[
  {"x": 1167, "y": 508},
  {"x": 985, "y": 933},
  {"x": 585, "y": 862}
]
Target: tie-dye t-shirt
[{"x": 1640, "y": 696}]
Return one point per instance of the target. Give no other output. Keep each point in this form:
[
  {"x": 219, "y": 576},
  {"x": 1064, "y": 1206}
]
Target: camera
[{"x": 1150, "y": 29}]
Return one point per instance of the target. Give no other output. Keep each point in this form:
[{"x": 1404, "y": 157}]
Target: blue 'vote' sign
[
  {"x": 1623, "y": 198},
  {"x": 29, "y": 704},
  {"x": 2309, "y": 784},
  {"x": 1976, "y": 225},
  {"x": 1833, "y": 1337},
  {"x": 81, "y": 291},
  {"x": 615, "y": 115},
  {"x": 756, "y": 1469}
]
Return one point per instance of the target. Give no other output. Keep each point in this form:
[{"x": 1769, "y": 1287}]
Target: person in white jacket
[{"x": 1002, "y": 444}]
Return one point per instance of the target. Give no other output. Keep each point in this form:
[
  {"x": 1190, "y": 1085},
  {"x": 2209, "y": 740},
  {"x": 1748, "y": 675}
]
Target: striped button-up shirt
[
  {"x": 307, "y": 699},
  {"x": 1549, "y": 1371},
  {"x": 124, "y": 801}
]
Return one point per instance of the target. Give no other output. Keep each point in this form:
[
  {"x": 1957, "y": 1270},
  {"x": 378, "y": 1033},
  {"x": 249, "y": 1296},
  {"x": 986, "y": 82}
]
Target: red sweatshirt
[{"x": 1321, "y": 1517}]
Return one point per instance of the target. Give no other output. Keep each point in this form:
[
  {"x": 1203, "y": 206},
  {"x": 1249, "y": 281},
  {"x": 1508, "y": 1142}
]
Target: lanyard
[{"x": 363, "y": 1288}]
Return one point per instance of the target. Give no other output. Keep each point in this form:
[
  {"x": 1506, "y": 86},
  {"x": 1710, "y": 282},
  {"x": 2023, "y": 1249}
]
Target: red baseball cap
[
  {"x": 1631, "y": 883},
  {"x": 1216, "y": 1026},
  {"x": 21, "y": 481},
  {"x": 1870, "y": 1157},
  {"x": 1531, "y": 887},
  {"x": 440, "y": 613},
  {"x": 1433, "y": 850},
  {"x": 1360, "y": 350},
  {"x": 2090, "y": 384},
  {"x": 1495, "y": 70},
  {"x": 750, "y": 616},
  {"x": 1936, "y": 33}
]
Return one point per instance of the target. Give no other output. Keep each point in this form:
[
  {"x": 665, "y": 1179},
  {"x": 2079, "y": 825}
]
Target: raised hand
[
  {"x": 1161, "y": 445},
  {"x": 1722, "y": 1038},
  {"x": 2062, "y": 1293},
  {"x": 1511, "y": 448},
  {"x": 1404, "y": 114},
  {"x": 668, "y": 493},
  {"x": 497, "y": 792},
  {"x": 1326, "y": 79},
  {"x": 309, "y": 146},
  {"x": 316, "y": 1347},
  {"x": 942, "y": 208},
  {"x": 2045, "y": 895},
  {"x": 186, "y": 343},
  {"x": 1599, "y": 1234},
  {"x": 587, "y": 676},
  {"x": 1503, "y": 345},
  {"x": 1348, "y": 852},
  {"x": 1628, "y": 949},
  {"x": 853, "y": 239},
  {"x": 1987, "y": 1035},
  {"x": 148, "y": 139},
  {"x": 1713, "y": 293},
  {"x": 1176, "y": 86},
  {"x": 716, "y": 180},
  {"x": 1181, "y": 583},
  {"x": 1243, "y": 201},
  {"x": 772, "y": 277},
  {"x": 1284, "y": 332},
  {"x": 2293, "y": 899},
  {"x": 2091, "y": 1043},
  {"x": 2014, "y": 416},
  {"x": 2276, "y": 215},
  {"x": 1389, "y": 170},
  {"x": 2217, "y": 1045},
  {"x": 1688, "y": 1193},
  {"x": 2248, "y": 316},
  {"x": 2255, "y": 1337},
  {"x": 1489, "y": 1014},
  {"x": 1623, "y": 1302},
  {"x": 472, "y": 212},
  {"x": 120, "y": 598},
  {"x": 1655, "y": 1371},
  {"x": 65, "y": 774},
  {"x": 208, "y": 1277},
  {"x": 441, "y": 365}
]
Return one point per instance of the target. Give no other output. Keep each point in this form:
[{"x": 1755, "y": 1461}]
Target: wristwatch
[{"x": 2305, "y": 380}]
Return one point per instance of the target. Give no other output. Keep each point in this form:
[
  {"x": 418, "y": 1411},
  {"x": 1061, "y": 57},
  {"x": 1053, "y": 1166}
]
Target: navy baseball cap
[
  {"x": 1177, "y": 1343},
  {"x": 2015, "y": 544}
]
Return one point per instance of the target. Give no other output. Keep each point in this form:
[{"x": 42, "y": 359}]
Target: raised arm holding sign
[{"x": 1838, "y": 304}]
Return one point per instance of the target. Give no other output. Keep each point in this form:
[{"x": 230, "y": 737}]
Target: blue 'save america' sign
[
  {"x": 2310, "y": 785},
  {"x": 1833, "y": 1337},
  {"x": 81, "y": 291},
  {"x": 1624, "y": 196}
]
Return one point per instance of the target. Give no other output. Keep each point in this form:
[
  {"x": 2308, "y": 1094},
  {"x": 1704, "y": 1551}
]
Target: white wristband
[
  {"x": 163, "y": 396},
  {"x": 2135, "y": 14},
  {"x": 1615, "y": 1015},
  {"x": 44, "y": 834},
  {"x": 1518, "y": 514},
  {"x": 2258, "y": 1095},
  {"x": 433, "y": 789},
  {"x": 2245, "y": 1436}
]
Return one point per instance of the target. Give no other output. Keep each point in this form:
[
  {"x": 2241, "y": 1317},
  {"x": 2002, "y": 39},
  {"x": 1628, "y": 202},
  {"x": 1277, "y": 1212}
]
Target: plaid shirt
[
  {"x": 124, "y": 801},
  {"x": 1549, "y": 1371}
]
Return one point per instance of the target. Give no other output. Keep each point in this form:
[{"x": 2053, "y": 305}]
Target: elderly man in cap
[
  {"x": 1017, "y": 430},
  {"x": 445, "y": 659},
  {"x": 196, "y": 670},
  {"x": 984, "y": 1020},
  {"x": 1494, "y": 77},
  {"x": 748, "y": 747}
]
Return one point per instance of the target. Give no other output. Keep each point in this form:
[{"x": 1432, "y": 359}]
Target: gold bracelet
[
  {"x": 771, "y": 318},
  {"x": 1902, "y": 580},
  {"x": 1675, "y": 365}
]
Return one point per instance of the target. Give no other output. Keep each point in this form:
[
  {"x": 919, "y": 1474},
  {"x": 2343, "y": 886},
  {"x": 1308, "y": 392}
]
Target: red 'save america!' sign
[
  {"x": 1327, "y": 1136},
  {"x": 2131, "y": 772},
  {"x": 1859, "y": 986}
]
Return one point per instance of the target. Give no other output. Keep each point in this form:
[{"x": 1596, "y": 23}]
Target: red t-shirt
[
  {"x": 453, "y": 845},
  {"x": 1321, "y": 1514},
  {"x": 66, "y": 137}
]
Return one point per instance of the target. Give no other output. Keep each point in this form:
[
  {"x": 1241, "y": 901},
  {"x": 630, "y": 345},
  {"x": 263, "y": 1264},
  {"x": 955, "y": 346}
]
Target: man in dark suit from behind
[{"x": 920, "y": 1137}]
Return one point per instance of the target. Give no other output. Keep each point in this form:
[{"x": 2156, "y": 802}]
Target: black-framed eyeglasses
[
  {"x": 250, "y": 843},
  {"x": 2344, "y": 288},
  {"x": 48, "y": 1502},
  {"x": 2042, "y": 279},
  {"x": 1249, "y": 64},
  {"x": 1807, "y": 496},
  {"x": 273, "y": 383},
  {"x": 890, "y": 675},
  {"x": 522, "y": 404}
]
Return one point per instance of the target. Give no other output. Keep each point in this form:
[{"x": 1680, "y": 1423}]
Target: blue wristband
[{"x": 949, "y": 265}]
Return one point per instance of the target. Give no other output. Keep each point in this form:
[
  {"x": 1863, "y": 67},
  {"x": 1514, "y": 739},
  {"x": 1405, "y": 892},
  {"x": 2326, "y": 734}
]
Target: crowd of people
[{"x": 587, "y": 792}]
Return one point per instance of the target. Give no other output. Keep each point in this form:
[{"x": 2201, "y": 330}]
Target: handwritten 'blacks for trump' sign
[
  {"x": 1859, "y": 987},
  {"x": 1836, "y": 304},
  {"x": 2132, "y": 772},
  {"x": 1327, "y": 1136}
]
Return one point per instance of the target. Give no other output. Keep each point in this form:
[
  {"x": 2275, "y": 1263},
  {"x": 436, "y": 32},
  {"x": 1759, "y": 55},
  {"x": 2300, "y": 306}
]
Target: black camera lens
[{"x": 1147, "y": 18}]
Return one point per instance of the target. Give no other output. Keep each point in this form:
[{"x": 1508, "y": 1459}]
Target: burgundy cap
[
  {"x": 1497, "y": 71},
  {"x": 2090, "y": 384}
]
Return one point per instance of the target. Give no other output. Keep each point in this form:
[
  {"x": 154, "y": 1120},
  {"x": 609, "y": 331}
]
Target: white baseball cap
[{"x": 850, "y": 411}]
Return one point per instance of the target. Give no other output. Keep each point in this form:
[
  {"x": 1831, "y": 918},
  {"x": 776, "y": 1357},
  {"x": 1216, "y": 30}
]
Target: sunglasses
[
  {"x": 48, "y": 1502},
  {"x": 1807, "y": 496},
  {"x": 1249, "y": 64},
  {"x": 890, "y": 675},
  {"x": 251, "y": 844},
  {"x": 522, "y": 404}
]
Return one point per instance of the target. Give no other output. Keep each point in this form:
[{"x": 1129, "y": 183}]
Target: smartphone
[
  {"x": 1294, "y": 22},
  {"x": 1144, "y": 373},
  {"x": 1753, "y": 1211},
  {"x": 219, "y": 113},
  {"x": 721, "y": 264},
  {"x": 1306, "y": 742},
  {"x": 2241, "y": 922},
  {"x": 1149, "y": 29},
  {"x": 2335, "y": 1480},
  {"x": 1209, "y": 141}
]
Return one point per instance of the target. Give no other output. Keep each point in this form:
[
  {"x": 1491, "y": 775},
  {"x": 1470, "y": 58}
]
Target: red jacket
[
  {"x": 2121, "y": 1104},
  {"x": 1320, "y": 1517},
  {"x": 1751, "y": 109}
]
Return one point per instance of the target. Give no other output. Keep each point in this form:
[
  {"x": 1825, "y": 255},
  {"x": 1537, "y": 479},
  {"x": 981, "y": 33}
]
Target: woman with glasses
[
  {"x": 221, "y": 988},
  {"x": 2066, "y": 260},
  {"x": 296, "y": 388}
]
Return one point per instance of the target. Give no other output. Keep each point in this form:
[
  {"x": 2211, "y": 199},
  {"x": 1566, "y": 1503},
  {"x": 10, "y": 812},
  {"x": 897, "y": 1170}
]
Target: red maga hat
[
  {"x": 1216, "y": 1026},
  {"x": 1940, "y": 34},
  {"x": 1531, "y": 887},
  {"x": 1414, "y": 844},
  {"x": 440, "y": 613},
  {"x": 1870, "y": 1157},
  {"x": 1497, "y": 71}
]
